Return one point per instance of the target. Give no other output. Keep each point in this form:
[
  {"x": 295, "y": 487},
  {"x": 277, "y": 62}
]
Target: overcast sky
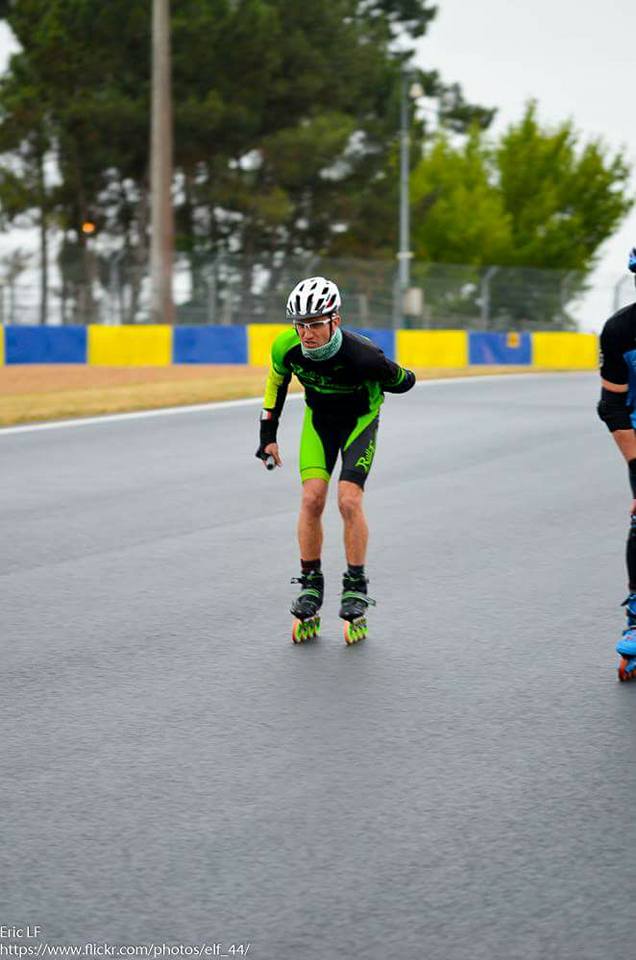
[{"x": 575, "y": 57}]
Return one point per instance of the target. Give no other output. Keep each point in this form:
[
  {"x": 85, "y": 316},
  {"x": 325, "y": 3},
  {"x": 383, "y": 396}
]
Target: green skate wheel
[
  {"x": 355, "y": 630},
  {"x": 305, "y": 629}
]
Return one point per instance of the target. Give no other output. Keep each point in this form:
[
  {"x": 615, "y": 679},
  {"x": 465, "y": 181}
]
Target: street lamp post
[
  {"x": 404, "y": 253},
  {"x": 409, "y": 91}
]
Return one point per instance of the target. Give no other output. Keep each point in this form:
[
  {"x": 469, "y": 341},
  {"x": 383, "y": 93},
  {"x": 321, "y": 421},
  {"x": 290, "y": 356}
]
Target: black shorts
[{"x": 324, "y": 437}]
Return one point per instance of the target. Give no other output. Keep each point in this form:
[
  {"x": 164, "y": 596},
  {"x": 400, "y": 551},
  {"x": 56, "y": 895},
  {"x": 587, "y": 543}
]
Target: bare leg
[
  {"x": 310, "y": 519},
  {"x": 356, "y": 531}
]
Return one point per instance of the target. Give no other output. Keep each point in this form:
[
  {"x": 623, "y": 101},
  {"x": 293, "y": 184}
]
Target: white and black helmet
[{"x": 314, "y": 297}]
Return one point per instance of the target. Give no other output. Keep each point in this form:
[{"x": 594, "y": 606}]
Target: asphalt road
[{"x": 460, "y": 786}]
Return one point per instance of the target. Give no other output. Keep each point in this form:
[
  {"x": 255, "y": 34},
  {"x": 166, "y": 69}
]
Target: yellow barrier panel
[
  {"x": 260, "y": 337},
  {"x": 565, "y": 351},
  {"x": 142, "y": 346},
  {"x": 431, "y": 348}
]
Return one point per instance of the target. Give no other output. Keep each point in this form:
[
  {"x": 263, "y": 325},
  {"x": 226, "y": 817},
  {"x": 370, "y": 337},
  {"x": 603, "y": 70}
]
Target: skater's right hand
[
  {"x": 633, "y": 510},
  {"x": 271, "y": 450}
]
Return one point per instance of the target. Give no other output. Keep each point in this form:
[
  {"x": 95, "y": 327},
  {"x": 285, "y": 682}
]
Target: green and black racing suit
[{"x": 343, "y": 397}]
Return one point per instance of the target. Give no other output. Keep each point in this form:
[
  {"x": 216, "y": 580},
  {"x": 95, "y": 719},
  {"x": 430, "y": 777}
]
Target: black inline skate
[
  {"x": 305, "y": 607},
  {"x": 353, "y": 607}
]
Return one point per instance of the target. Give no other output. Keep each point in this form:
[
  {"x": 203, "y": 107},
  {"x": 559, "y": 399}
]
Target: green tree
[
  {"x": 458, "y": 212},
  {"x": 87, "y": 69},
  {"x": 536, "y": 198},
  {"x": 563, "y": 199},
  {"x": 286, "y": 117},
  {"x": 25, "y": 143}
]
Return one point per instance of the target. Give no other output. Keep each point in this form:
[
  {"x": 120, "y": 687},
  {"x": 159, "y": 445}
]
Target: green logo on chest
[{"x": 329, "y": 382}]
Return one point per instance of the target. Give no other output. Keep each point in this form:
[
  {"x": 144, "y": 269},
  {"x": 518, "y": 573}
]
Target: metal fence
[{"x": 237, "y": 290}]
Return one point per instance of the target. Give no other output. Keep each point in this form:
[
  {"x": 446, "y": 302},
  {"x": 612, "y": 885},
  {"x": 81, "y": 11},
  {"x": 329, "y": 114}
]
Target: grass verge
[{"x": 29, "y": 394}]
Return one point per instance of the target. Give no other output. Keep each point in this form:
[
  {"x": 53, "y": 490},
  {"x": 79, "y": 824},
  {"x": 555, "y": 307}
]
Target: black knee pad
[{"x": 614, "y": 410}]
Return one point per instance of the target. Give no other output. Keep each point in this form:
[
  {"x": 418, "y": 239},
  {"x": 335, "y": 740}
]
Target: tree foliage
[
  {"x": 563, "y": 199},
  {"x": 535, "y": 198},
  {"x": 286, "y": 122},
  {"x": 458, "y": 214},
  {"x": 286, "y": 118}
]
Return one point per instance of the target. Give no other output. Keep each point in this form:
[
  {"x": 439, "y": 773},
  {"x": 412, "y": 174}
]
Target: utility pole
[{"x": 161, "y": 213}]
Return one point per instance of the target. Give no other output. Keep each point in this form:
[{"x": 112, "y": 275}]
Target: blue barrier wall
[
  {"x": 145, "y": 344},
  {"x": 45, "y": 344},
  {"x": 209, "y": 345},
  {"x": 499, "y": 348},
  {"x": 385, "y": 339}
]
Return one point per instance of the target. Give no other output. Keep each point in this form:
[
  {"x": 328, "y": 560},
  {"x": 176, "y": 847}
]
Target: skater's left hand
[
  {"x": 270, "y": 456},
  {"x": 272, "y": 451},
  {"x": 633, "y": 510}
]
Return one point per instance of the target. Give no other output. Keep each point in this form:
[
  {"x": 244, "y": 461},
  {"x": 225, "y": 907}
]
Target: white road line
[{"x": 251, "y": 401}]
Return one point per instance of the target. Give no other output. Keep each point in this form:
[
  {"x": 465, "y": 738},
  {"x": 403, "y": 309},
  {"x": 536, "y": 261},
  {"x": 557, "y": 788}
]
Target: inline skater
[
  {"x": 345, "y": 377},
  {"x": 617, "y": 409}
]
